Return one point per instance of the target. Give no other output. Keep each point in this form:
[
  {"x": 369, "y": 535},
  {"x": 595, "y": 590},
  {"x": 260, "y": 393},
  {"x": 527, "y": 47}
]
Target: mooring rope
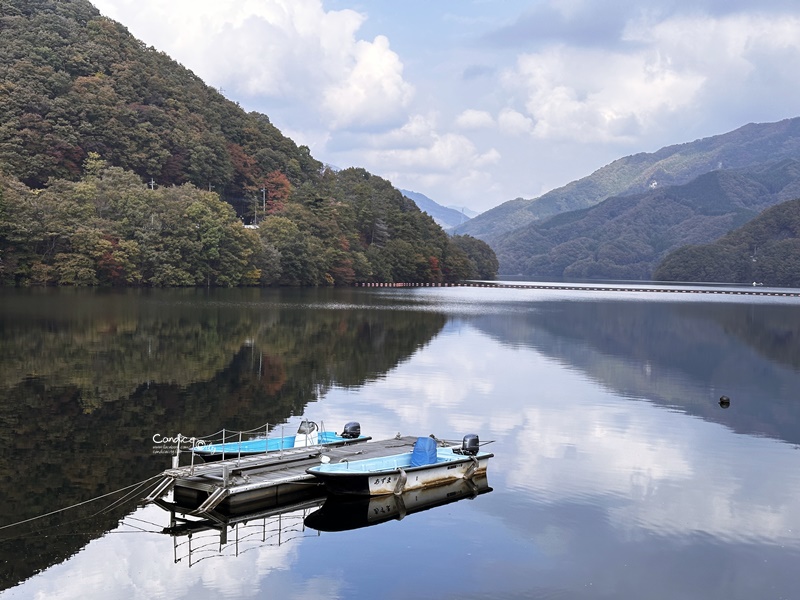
[
  {"x": 126, "y": 496},
  {"x": 66, "y": 508}
]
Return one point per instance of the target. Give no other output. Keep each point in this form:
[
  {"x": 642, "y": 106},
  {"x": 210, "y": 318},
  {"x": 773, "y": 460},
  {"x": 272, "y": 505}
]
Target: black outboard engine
[
  {"x": 470, "y": 444},
  {"x": 352, "y": 430}
]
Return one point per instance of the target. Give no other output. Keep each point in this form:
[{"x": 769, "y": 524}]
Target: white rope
[
  {"x": 79, "y": 503},
  {"x": 125, "y": 497}
]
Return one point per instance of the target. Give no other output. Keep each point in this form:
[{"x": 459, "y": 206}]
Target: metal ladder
[
  {"x": 162, "y": 488},
  {"x": 212, "y": 501}
]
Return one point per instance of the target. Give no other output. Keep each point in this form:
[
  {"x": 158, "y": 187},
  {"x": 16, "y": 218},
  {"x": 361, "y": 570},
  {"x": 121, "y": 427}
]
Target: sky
[{"x": 477, "y": 102}]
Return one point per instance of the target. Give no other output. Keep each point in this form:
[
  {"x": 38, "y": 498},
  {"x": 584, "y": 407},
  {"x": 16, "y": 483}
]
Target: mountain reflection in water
[
  {"x": 616, "y": 474},
  {"x": 90, "y": 379},
  {"x": 679, "y": 354}
]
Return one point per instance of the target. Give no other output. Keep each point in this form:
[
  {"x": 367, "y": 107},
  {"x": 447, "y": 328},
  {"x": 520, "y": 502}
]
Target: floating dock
[{"x": 235, "y": 486}]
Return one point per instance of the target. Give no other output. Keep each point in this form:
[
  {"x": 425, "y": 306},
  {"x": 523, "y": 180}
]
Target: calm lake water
[{"x": 616, "y": 474}]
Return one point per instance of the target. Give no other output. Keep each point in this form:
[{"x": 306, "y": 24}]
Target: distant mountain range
[
  {"x": 673, "y": 165},
  {"x": 625, "y": 237},
  {"x": 621, "y": 220},
  {"x": 765, "y": 251},
  {"x": 447, "y": 217}
]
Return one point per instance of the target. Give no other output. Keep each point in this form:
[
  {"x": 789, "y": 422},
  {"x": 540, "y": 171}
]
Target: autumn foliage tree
[
  {"x": 119, "y": 166},
  {"x": 276, "y": 192}
]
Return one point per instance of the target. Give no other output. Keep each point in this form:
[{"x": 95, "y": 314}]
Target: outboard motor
[
  {"x": 352, "y": 430},
  {"x": 470, "y": 444}
]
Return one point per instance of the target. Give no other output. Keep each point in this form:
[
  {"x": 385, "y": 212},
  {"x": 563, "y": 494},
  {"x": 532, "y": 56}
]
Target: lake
[{"x": 617, "y": 473}]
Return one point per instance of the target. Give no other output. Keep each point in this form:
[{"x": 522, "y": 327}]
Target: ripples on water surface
[{"x": 616, "y": 472}]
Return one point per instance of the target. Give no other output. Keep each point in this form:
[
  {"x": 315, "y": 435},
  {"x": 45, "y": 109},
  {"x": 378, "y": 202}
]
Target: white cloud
[
  {"x": 586, "y": 95},
  {"x": 373, "y": 92},
  {"x": 446, "y": 151},
  {"x": 419, "y": 128},
  {"x": 745, "y": 59},
  {"x": 588, "y": 86},
  {"x": 419, "y": 145},
  {"x": 488, "y": 158},
  {"x": 704, "y": 42},
  {"x": 419, "y": 155},
  {"x": 664, "y": 68},
  {"x": 289, "y": 50},
  {"x": 474, "y": 119},
  {"x": 514, "y": 122}
]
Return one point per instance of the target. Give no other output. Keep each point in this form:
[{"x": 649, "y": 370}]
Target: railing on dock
[{"x": 189, "y": 444}]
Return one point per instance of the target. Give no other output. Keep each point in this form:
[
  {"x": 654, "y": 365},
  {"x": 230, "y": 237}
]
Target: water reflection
[
  {"x": 33, "y": 546},
  {"x": 616, "y": 471},
  {"x": 230, "y": 536},
  {"x": 684, "y": 355},
  {"x": 345, "y": 513},
  {"x": 89, "y": 378}
]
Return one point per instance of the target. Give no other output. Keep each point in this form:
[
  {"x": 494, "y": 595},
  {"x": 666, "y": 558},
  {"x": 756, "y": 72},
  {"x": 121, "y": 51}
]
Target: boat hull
[{"x": 342, "y": 481}]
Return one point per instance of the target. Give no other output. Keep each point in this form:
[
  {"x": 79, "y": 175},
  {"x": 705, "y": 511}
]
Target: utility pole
[{"x": 152, "y": 184}]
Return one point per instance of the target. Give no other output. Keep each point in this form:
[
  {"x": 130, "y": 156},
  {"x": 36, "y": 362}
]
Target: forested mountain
[
  {"x": 765, "y": 251},
  {"x": 76, "y": 82},
  {"x": 750, "y": 145},
  {"x": 114, "y": 159},
  {"x": 110, "y": 229},
  {"x": 626, "y": 237}
]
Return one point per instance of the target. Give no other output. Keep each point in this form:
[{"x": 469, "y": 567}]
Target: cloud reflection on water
[{"x": 611, "y": 469}]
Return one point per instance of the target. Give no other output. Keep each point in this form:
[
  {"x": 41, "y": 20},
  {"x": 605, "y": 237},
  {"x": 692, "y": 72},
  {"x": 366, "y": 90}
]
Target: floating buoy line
[{"x": 733, "y": 290}]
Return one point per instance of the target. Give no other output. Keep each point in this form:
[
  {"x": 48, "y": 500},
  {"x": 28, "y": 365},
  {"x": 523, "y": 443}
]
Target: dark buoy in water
[{"x": 724, "y": 401}]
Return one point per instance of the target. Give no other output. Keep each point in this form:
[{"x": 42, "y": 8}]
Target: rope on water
[
  {"x": 66, "y": 508},
  {"x": 134, "y": 490}
]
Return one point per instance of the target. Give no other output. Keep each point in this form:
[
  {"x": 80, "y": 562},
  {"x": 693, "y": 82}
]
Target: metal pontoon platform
[{"x": 236, "y": 485}]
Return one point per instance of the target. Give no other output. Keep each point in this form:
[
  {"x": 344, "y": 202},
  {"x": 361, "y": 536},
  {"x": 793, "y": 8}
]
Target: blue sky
[{"x": 474, "y": 103}]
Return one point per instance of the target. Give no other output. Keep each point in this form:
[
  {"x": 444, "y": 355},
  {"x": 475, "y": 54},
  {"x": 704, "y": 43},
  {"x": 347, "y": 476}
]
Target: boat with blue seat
[
  {"x": 429, "y": 464},
  {"x": 308, "y": 434}
]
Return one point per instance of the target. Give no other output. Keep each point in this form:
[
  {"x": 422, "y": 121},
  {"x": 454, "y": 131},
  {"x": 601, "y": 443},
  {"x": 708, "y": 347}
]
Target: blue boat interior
[
  {"x": 386, "y": 463},
  {"x": 266, "y": 444}
]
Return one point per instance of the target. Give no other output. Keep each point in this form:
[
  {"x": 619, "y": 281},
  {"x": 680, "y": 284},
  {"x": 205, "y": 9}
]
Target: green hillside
[
  {"x": 750, "y": 145},
  {"x": 75, "y": 82},
  {"x": 765, "y": 251},
  {"x": 626, "y": 237},
  {"x": 118, "y": 166}
]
